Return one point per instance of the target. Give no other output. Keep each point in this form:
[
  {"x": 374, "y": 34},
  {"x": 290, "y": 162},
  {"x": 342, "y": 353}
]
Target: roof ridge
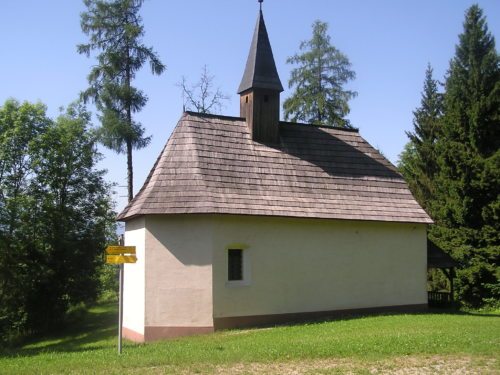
[
  {"x": 211, "y": 115},
  {"x": 351, "y": 130},
  {"x": 237, "y": 118}
]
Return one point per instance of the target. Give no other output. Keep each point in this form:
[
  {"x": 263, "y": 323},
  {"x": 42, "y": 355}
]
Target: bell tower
[{"x": 260, "y": 87}]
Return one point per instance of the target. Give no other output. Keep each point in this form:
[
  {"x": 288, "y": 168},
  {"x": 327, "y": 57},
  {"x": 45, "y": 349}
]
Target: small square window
[{"x": 235, "y": 264}]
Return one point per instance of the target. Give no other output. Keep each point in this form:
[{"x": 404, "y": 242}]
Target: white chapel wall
[
  {"x": 299, "y": 265},
  {"x": 133, "y": 296}
]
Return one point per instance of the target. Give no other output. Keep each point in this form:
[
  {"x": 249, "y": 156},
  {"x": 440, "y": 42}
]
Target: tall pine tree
[
  {"x": 319, "y": 96},
  {"x": 115, "y": 30},
  {"x": 467, "y": 204}
]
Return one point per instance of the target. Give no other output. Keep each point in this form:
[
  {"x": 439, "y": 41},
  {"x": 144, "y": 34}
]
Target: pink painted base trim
[
  {"x": 159, "y": 333},
  {"x": 132, "y": 335}
]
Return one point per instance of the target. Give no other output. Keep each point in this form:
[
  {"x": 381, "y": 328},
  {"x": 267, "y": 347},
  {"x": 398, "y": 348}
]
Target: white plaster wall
[
  {"x": 302, "y": 265},
  {"x": 179, "y": 271},
  {"x": 134, "y": 281}
]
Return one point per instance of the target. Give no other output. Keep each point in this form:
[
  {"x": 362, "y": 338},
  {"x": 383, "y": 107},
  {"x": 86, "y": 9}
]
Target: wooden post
[
  {"x": 452, "y": 274},
  {"x": 120, "y": 311}
]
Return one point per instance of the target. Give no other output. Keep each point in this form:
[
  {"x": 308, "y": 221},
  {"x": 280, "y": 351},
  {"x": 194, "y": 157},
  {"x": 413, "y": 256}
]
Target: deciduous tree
[
  {"x": 21, "y": 126},
  {"x": 201, "y": 96},
  {"x": 55, "y": 216}
]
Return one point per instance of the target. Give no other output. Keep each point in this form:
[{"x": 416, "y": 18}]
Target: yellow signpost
[
  {"x": 120, "y": 255},
  {"x": 120, "y": 250}
]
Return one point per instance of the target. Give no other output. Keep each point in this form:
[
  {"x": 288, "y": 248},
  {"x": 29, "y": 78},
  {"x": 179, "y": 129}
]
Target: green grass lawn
[{"x": 437, "y": 343}]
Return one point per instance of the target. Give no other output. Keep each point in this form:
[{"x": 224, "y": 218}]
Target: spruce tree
[
  {"x": 115, "y": 30},
  {"x": 418, "y": 162},
  {"x": 467, "y": 204},
  {"x": 319, "y": 96}
]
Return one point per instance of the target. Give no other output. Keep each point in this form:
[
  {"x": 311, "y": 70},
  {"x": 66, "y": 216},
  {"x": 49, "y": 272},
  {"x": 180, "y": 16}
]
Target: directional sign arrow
[{"x": 120, "y": 259}]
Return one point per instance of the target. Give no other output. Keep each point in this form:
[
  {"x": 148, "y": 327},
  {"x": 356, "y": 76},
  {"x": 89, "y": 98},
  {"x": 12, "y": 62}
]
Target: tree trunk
[
  {"x": 130, "y": 173},
  {"x": 320, "y": 86}
]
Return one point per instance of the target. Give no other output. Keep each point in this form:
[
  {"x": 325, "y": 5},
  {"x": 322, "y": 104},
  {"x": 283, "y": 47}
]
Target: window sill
[{"x": 237, "y": 283}]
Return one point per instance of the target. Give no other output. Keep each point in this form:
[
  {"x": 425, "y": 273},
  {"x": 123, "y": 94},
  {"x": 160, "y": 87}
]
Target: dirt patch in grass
[
  {"x": 408, "y": 365},
  {"x": 438, "y": 365}
]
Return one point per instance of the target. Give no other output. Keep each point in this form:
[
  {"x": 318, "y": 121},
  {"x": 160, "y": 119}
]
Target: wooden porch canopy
[{"x": 437, "y": 258}]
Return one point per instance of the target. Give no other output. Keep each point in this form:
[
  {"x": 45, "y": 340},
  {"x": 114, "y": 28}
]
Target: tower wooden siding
[{"x": 260, "y": 108}]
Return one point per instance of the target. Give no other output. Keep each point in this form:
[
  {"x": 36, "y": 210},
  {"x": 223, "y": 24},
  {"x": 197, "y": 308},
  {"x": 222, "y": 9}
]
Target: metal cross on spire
[{"x": 260, "y": 3}]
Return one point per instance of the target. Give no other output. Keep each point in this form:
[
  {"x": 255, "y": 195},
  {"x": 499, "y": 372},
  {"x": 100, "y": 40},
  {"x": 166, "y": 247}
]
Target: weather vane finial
[{"x": 260, "y": 3}]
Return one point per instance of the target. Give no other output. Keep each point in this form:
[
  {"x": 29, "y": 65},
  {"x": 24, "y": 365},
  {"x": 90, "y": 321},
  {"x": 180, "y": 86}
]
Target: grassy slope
[{"x": 91, "y": 347}]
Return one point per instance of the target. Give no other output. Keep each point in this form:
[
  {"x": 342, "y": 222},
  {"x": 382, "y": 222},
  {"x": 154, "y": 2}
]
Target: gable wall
[
  {"x": 178, "y": 275},
  {"x": 299, "y": 265}
]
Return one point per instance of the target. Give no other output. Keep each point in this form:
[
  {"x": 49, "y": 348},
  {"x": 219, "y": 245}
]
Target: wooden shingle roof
[{"x": 211, "y": 165}]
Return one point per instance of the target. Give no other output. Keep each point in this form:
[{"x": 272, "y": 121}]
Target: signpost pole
[
  {"x": 120, "y": 311},
  {"x": 120, "y": 255}
]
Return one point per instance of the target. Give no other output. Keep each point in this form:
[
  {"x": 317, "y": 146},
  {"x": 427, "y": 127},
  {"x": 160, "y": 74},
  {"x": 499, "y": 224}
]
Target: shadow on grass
[
  {"x": 451, "y": 311},
  {"x": 429, "y": 311},
  {"x": 97, "y": 327},
  {"x": 346, "y": 316}
]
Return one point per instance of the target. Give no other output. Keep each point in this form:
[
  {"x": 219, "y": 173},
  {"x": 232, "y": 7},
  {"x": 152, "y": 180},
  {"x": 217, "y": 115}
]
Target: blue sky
[{"x": 389, "y": 43}]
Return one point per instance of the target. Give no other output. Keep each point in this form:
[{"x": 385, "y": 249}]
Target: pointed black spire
[{"x": 260, "y": 71}]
